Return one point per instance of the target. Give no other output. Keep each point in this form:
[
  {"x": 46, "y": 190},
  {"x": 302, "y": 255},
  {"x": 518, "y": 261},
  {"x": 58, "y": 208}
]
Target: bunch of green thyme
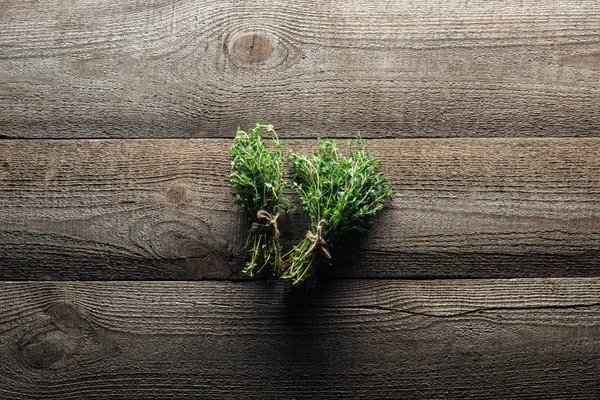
[
  {"x": 339, "y": 194},
  {"x": 257, "y": 176}
]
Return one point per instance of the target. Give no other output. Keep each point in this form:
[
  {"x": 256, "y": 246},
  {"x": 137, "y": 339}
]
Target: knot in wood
[
  {"x": 177, "y": 193},
  {"x": 252, "y": 47}
]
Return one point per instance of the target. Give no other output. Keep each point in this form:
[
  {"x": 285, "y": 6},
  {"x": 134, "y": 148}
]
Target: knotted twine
[
  {"x": 270, "y": 224},
  {"x": 318, "y": 240}
]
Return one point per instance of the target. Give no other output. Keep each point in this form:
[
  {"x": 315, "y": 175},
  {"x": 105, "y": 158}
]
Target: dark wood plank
[
  {"x": 162, "y": 209},
  {"x": 485, "y": 339},
  {"x": 166, "y": 68}
]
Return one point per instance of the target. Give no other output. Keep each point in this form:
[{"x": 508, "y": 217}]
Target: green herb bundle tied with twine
[
  {"x": 257, "y": 176},
  {"x": 339, "y": 194}
]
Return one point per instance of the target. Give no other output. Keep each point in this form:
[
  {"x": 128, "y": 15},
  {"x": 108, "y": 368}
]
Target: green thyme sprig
[
  {"x": 257, "y": 176},
  {"x": 339, "y": 194}
]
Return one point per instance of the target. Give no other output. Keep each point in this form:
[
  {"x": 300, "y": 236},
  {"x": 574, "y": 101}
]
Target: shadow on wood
[{"x": 350, "y": 338}]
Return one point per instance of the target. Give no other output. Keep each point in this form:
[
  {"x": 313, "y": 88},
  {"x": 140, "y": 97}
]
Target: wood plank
[
  {"x": 484, "y": 339},
  {"x": 409, "y": 68},
  {"x": 162, "y": 209}
]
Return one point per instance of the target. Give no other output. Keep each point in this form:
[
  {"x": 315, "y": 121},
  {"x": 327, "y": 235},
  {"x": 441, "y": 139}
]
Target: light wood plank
[
  {"x": 162, "y": 209},
  {"x": 485, "y": 68},
  {"x": 485, "y": 339}
]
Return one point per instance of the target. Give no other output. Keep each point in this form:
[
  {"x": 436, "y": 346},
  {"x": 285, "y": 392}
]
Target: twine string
[
  {"x": 271, "y": 223},
  {"x": 318, "y": 240}
]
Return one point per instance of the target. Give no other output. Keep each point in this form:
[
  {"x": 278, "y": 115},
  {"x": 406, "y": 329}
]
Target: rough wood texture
[
  {"x": 491, "y": 339},
  {"x": 147, "y": 209},
  {"x": 165, "y": 68}
]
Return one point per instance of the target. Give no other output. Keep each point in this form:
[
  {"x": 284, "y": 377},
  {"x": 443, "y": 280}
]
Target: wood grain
[
  {"x": 162, "y": 209},
  {"x": 490, "y": 339},
  {"x": 166, "y": 68}
]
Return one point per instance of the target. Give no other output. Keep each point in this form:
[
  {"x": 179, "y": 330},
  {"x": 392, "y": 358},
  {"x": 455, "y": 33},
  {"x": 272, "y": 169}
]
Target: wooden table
[{"x": 120, "y": 242}]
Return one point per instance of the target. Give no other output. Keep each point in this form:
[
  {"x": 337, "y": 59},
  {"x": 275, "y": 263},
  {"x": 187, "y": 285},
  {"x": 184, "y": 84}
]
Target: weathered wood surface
[
  {"x": 162, "y": 209},
  {"x": 484, "y": 339},
  {"x": 485, "y": 68}
]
